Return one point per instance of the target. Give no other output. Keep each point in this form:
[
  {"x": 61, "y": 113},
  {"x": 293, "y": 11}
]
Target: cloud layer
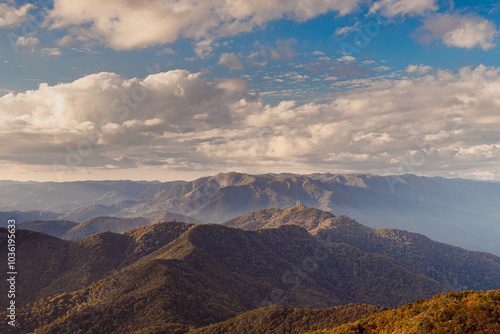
[
  {"x": 463, "y": 31},
  {"x": 181, "y": 121},
  {"x": 404, "y": 7},
  {"x": 13, "y": 17},
  {"x": 126, "y": 25}
]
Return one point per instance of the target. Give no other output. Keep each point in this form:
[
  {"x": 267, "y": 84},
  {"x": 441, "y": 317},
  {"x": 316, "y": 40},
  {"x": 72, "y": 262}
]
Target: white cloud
[
  {"x": 386, "y": 125},
  {"x": 437, "y": 116},
  {"x": 347, "y": 59},
  {"x": 403, "y": 7},
  {"x": 65, "y": 41},
  {"x": 32, "y": 42},
  {"x": 27, "y": 41},
  {"x": 13, "y": 17},
  {"x": 105, "y": 110},
  {"x": 467, "y": 31},
  {"x": 125, "y": 25},
  {"x": 382, "y": 68},
  {"x": 204, "y": 48},
  {"x": 418, "y": 69},
  {"x": 345, "y": 30},
  {"x": 230, "y": 60},
  {"x": 50, "y": 51}
]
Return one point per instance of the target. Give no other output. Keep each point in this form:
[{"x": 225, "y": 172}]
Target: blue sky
[{"x": 387, "y": 86}]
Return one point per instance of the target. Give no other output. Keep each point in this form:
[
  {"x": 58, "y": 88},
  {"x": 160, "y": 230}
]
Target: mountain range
[
  {"x": 75, "y": 231},
  {"x": 175, "y": 277},
  {"x": 463, "y": 270},
  {"x": 454, "y": 211},
  {"x": 456, "y": 267}
]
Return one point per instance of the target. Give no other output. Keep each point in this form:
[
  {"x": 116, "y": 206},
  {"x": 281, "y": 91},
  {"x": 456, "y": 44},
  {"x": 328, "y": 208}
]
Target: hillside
[
  {"x": 51, "y": 265},
  {"x": 285, "y": 320},
  {"x": 459, "y": 268},
  {"x": 75, "y": 231},
  {"x": 464, "y": 312},
  {"x": 458, "y": 212},
  {"x": 175, "y": 276}
]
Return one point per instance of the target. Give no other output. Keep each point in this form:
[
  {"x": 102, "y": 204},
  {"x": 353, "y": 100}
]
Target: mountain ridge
[
  {"x": 70, "y": 230},
  {"x": 181, "y": 276},
  {"x": 463, "y": 270},
  {"x": 459, "y": 212}
]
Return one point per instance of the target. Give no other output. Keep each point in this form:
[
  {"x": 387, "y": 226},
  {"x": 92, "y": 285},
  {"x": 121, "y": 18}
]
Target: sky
[{"x": 179, "y": 89}]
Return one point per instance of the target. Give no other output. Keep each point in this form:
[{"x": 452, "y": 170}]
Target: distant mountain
[
  {"x": 75, "y": 231},
  {"x": 459, "y": 212},
  {"x": 102, "y": 224},
  {"x": 58, "y": 196},
  {"x": 454, "y": 211},
  {"x": 120, "y": 225},
  {"x": 176, "y": 277},
  {"x": 459, "y": 268},
  {"x": 92, "y": 211},
  {"x": 21, "y": 217},
  {"x": 464, "y": 312},
  {"x": 56, "y": 228},
  {"x": 285, "y": 320}
]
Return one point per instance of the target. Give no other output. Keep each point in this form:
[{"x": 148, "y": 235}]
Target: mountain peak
[
  {"x": 308, "y": 218},
  {"x": 298, "y": 207}
]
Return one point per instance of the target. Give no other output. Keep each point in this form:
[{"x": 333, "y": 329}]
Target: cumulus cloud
[
  {"x": 382, "y": 68},
  {"x": 347, "y": 59},
  {"x": 204, "y": 48},
  {"x": 102, "y": 111},
  {"x": 463, "y": 31},
  {"x": 418, "y": 69},
  {"x": 125, "y": 25},
  {"x": 27, "y": 41},
  {"x": 13, "y": 17},
  {"x": 403, "y": 7},
  {"x": 230, "y": 60},
  {"x": 396, "y": 126},
  {"x": 180, "y": 120}
]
